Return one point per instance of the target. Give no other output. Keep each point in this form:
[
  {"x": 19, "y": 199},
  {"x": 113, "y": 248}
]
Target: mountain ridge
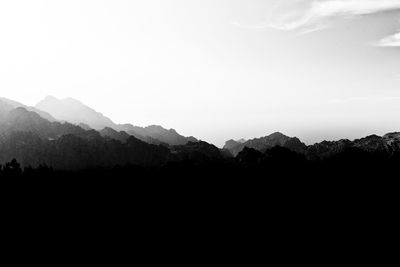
[
  {"x": 32, "y": 139},
  {"x": 15, "y": 104},
  {"x": 266, "y": 142},
  {"x": 74, "y": 111}
]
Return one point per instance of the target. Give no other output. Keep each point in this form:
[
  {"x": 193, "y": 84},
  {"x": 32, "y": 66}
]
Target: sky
[{"x": 214, "y": 69}]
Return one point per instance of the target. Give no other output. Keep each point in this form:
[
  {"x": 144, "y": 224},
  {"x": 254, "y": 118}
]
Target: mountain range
[
  {"x": 75, "y": 112},
  {"x": 68, "y": 135},
  {"x": 264, "y": 143}
]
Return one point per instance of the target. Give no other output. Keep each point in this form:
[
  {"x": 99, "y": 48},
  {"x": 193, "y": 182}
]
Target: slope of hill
[
  {"x": 15, "y": 104},
  {"x": 76, "y": 112},
  {"x": 22, "y": 120},
  {"x": 155, "y": 133},
  {"x": 267, "y": 142},
  {"x": 73, "y": 111},
  {"x": 34, "y": 141},
  {"x": 5, "y": 108},
  {"x": 113, "y": 134}
]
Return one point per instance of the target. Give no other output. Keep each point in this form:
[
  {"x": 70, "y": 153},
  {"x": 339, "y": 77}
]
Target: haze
[{"x": 214, "y": 69}]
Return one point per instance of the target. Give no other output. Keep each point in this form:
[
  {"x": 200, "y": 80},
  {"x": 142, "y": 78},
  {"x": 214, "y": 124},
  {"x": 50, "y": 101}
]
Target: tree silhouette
[{"x": 12, "y": 169}]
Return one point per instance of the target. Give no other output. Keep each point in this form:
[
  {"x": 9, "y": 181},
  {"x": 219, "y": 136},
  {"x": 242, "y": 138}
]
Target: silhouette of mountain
[
  {"x": 198, "y": 152},
  {"x": 327, "y": 149},
  {"x": 14, "y": 104},
  {"x": 85, "y": 126},
  {"x": 32, "y": 140},
  {"x": 22, "y": 120},
  {"x": 249, "y": 156},
  {"x": 111, "y": 133},
  {"x": 267, "y": 142},
  {"x": 73, "y": 111},
  {"x": 155, "y": 133},
  {"x": 76, "y": 112},
  {"x": 388, "y": 144}
]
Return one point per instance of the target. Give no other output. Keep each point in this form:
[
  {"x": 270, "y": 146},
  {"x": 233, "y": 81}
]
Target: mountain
[
  {"x": 14, "y": 104},
  {"x": 156, "y": 134},
  {"x": 388, "y": 145},
  {"x": 5, "y": 108},
  {"x": 34, "y": 141},
  {"x": 22, "y": 120},
  {"x": 85, "y": 126},
  {"x": 265, "y": 143},
  {"x": 113, "y": 134},
  {"x": 76, "y": 112},
  {"x": 199, "y": 152},
  {"x": 73, "y": 111}
]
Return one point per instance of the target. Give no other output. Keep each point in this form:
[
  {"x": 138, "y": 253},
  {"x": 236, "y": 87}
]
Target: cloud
[
  {"x": 316, "y": 15},
  {"x": 390, "y": 41}
]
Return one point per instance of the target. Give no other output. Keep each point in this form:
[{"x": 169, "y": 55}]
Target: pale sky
[{"x": 214, "y": 69}]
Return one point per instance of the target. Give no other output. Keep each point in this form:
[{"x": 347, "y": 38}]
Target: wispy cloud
[
  {"x": 390, "y": 41},
  {"x": 316, "y": 13},
  {"x": 307, "y": 16}
]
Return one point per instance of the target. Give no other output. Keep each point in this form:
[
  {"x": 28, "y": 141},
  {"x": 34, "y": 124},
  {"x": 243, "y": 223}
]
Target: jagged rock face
[
  {"x": 388, "y": 144},
  {"x": 327, "y": 149},
  {"x": 267, "y": 142},
  {"x": 392, "y": 141},
  {"x": 371, "y": 143}
]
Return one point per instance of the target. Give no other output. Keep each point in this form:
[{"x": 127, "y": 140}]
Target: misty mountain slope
[
  {"x": 22, "y": 120},
  {"x": 267, "y": 142},
  {"x": 70, "y": 152},
  {"x": 76, "y": 112},
  {"x": 85, "y": 126},
  {"x": 5, "y": 108},
  {"x": 156, "y": 134},
  {"x": 34, "y": 141},
  {"x": 73, "y": 111},
  {"x": 113, "y": 134},
  {"x": 199, "y": 152},
  {"x": 166, "y": 136},
  {"x": 15, "y": 104}
]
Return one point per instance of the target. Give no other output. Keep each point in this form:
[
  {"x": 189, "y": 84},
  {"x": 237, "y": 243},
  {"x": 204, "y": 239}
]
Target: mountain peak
[
  {"x": 15, "y": 104},
  {"x": 277, "y": 134},
  {"x": 74, "y": 111},
  {"x": 266, "y": 142},
  {"x": 50, "y": 98}
]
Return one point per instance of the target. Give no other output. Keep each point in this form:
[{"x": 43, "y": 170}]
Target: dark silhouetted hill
[
  {"x": 264, "y": 143},
  {"x": 113, "y": 134}
]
